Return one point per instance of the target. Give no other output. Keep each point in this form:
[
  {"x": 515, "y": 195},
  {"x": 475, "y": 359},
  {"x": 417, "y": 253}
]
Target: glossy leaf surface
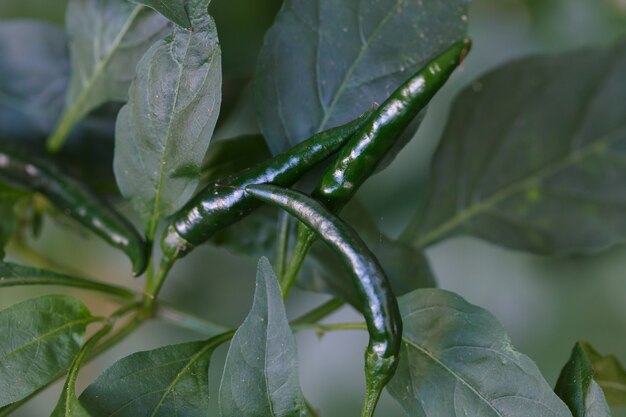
[
  {"x": 168, "y": 381},
  {"x": 164, "y": 131},
  {"x": 577, "y": 388},
  {"x": 539, "y": 167},
  {"x": 458, "y": 361},
  {"x": 41, "y": 336},
  {"x": 261, "y": 373},
  {"x": 325, "y": 62},
  {"x": 174, "y": 10},
  {"x": 610, "y": 374},
  {"x": 107, "y": 40}
]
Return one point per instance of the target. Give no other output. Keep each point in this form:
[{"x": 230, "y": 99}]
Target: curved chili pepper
[
  {"x": 360, "y": 157},
  {"x": 76, "y": 201},
  {"x": 222, "y": 204},
  {"x": 378, "y": 304}
]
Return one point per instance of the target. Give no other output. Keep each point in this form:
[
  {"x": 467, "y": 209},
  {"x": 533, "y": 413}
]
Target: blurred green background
[{"x": 545, "y": 304}]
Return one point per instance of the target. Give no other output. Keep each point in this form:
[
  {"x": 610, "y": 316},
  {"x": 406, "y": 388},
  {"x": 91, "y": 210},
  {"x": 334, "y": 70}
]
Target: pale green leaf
[
  {"x": 164, "y": 131},
  {"x": 107, "y": 39},
  {"x": 325, "y": 63},
  {"x": 165, "y": 382},
  {"x": 261, "y": 373},
  {"x": 533, "y": 157},
  {"x": 174, "y": 10},
  {"x": 40, "y": 338},
  {"x": 458, "y": 361}
]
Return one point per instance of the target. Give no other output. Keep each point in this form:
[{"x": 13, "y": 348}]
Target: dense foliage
[{"x": 118, "y": 127}]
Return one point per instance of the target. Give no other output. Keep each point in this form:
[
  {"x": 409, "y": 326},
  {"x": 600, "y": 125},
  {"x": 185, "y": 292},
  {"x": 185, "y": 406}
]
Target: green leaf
[
  {"x": 457, "y": 360},
  {"x": 229, "y": 156},
  {"x": 261, "y": 373},
  {"x": 35, "y": 70},
  {"x": 609, "y": 374},
  {"x": 538, "y": 167},
  {"x": 107, "y": 39},
  {"x": 169, "y": 381},
  {"x": 577, "y": 388},
  {"x": 68, "y": 405},
  {"x": 164, "y": 131},
  {"x": 14, "y": 275},
  {"x": 41, "y": 338},
  {"x": 174, "y": 10},
  {"x": 325, "y": 63}
]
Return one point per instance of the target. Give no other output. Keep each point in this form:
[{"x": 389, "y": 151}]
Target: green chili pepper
[
  {"x": 379, "y": 305},
  {"x": 77, "y": 201},
  {"x": 360, "y": 157},
  {"x": 223, "y": 203}
]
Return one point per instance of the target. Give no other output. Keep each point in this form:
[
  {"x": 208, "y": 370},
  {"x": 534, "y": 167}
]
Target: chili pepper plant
[{"x": 143, "y": 127}]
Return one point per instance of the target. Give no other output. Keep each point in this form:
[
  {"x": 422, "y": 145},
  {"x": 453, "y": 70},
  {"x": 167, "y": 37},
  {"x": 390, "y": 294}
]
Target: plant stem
[
  {"x": 97, "y": 350},
  {"x": 155, "y": 282},
  {"x": 295, "y": 263},
  {"x": 282, "y": 244}
]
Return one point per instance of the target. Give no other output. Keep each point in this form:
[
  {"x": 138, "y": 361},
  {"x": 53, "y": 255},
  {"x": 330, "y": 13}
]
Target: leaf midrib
[
  {"x": 344, "y": 83},
  {"x": 43, "y": 337},
  {"x": 102, "y": 64},
  {"x": 168, "y": 135},
  {"x": 484, "y": 205},
  {"x": 451, "y": 372},
  {"x": 208, "y": 348}
]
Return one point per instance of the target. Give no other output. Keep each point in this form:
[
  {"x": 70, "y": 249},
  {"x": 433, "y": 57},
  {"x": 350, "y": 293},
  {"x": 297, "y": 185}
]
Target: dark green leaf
[
  {"x": 174, "y": 10},
  {"x": 229, "y": 156},
  {"x": 577, "y": 388},
  {"x": 609, "y": 374},
  {"x": 35, "y": 69},
  {"x": 165, "y": 382},
  {"x": 13, "y": 275},
  {"x": 41, "y": 336},
  {"x": 533, "y": 157},
  {"x": 107, "y": 39},
  {"x": 68, "y": 405},
  {"x": 324, "y": 63},
  {"x": 457, "y": 360},
  {"x": 164, "y": 131},
  {"x": 261, "y": 373}
]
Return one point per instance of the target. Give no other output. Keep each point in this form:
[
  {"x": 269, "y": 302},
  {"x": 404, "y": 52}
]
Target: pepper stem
[
  {"x": 305, "y": 240},
  {"x": 153, "y": 285}
]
